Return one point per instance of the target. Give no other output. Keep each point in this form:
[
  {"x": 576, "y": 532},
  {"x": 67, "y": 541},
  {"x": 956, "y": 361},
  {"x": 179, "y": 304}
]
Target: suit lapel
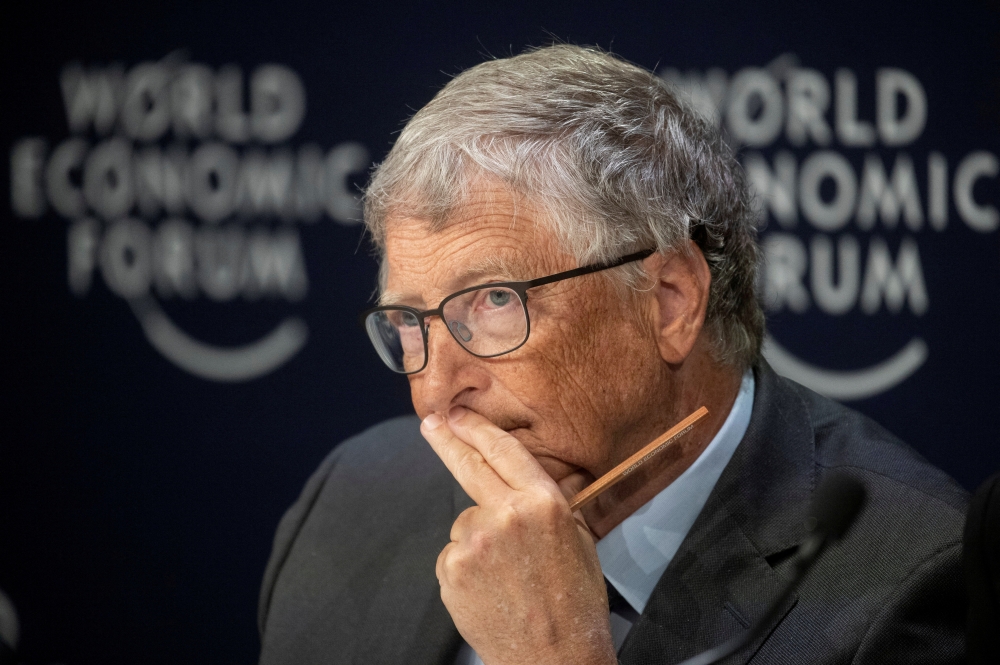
[{"x": 720, "y": 582}]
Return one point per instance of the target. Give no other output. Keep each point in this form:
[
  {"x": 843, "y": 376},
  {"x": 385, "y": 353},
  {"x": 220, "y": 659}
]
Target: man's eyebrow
[
  {"x": 391, "y": 298},
  {"x": 500, "y": 266},
  {"x": 496, "y": 266}
]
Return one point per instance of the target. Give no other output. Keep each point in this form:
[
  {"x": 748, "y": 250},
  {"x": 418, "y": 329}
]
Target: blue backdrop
[{"x": 182, "y": 266}]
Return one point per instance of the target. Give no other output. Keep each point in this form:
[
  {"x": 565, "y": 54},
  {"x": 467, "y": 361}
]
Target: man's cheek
[{"x": 416, "y": 396}]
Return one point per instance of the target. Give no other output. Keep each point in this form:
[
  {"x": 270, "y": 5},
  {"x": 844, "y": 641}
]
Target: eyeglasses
[{"x": 487, "y": 320}]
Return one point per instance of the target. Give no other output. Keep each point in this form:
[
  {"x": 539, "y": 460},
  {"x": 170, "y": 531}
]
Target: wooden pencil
[{"x": 649, "y": 451}]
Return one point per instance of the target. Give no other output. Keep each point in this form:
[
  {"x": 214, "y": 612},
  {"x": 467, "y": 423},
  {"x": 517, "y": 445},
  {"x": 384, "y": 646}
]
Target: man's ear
[{"x": 681, "y": 282}]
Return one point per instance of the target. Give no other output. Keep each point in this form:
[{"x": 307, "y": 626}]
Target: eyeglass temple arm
[{"x": 586, "y": 270}]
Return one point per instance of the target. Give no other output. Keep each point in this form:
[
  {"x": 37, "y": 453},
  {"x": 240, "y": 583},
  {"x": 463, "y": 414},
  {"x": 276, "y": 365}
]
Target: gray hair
[{"x": 616, "y": 161}]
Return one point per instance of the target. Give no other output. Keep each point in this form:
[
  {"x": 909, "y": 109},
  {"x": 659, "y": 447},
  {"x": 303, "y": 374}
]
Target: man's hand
[{"x": 521, "y": 577}]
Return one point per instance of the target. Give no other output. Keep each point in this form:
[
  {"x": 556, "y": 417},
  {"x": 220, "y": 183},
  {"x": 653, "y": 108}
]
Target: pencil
[{"x": 651, "y": 449}]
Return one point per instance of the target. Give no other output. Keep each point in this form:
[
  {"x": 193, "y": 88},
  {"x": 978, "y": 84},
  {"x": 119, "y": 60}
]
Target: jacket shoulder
[
  {"x": 896, "y": 573},
  {"x": 389, "y": 447},
  {"x": 351, "y": 570},
  {"x": 367, "y": 483},
  {"x": 847, "y": 439}
]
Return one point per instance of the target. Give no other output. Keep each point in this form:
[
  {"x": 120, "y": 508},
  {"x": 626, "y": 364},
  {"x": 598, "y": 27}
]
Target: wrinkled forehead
[
  {"x": 420, "y": 257},
  {"x": 487, "y": 239},
  {"x": 454, "y": 197}
]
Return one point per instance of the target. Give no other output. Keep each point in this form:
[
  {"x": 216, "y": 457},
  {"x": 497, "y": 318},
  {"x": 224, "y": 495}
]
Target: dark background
[{"x": 138, "y": 502}]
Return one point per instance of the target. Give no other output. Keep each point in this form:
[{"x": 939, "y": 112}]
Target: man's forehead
[
  {"x": 501, "y": 263},
  {"x": 493, "y": 235},
  {"x": 493, "y": 239}
]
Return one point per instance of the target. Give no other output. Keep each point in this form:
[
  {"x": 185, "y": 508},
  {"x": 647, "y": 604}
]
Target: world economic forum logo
[
  {"x": 847, "y": 200},
  {"x": 178, "y": 182}
]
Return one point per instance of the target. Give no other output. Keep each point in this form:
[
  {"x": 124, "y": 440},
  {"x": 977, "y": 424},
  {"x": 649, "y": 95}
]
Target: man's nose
[{"x": 450, "y": 371}]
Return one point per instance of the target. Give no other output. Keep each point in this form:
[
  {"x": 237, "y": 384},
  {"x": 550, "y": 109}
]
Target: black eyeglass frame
[{"x": 520, "y": 288}]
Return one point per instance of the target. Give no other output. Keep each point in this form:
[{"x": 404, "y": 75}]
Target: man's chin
[{"x": 555, "y": 467}]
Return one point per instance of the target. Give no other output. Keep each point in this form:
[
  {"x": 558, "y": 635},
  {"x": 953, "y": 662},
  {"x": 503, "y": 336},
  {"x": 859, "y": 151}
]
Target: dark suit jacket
[{"x": 351, "y": 577}]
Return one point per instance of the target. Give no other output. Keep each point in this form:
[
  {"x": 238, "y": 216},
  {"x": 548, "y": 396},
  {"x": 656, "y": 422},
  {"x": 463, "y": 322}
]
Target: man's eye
[
  {"x": 408, "y": 319},
  {"x": 499, "y": 298}
]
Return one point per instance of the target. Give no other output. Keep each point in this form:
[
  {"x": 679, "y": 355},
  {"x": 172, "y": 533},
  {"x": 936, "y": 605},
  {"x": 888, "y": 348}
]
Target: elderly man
[{"x": 569, "y": 263}]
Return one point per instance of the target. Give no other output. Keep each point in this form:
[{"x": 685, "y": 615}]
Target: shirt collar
[{"x": 635, "y": 553}]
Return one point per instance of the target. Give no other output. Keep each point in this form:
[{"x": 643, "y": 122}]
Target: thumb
[
  {"x": 575, "y": 483},
  {"x": 572, "y": 485}
]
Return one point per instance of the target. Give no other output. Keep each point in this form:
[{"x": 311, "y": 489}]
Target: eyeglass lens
[{"x": 486, "y": 322}]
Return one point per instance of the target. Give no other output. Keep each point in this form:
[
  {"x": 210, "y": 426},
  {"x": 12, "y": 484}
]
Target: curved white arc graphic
[
  {"x": 848, "y": 385},
  {"x": 230, "y": 364}
]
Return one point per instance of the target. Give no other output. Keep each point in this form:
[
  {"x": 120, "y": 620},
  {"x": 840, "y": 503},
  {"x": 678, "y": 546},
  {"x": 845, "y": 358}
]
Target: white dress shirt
[{"x": 636, "y": 552}]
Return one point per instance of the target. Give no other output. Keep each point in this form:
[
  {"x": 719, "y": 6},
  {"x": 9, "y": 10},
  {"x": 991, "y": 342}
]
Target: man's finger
[
  {"x": 465, "y": 463},
  {"x": 440, "y": 569},
  {"x": 464, "y": 524},
  {"x": 504, "y": 453},
  {"x": 575, "y": 483}
]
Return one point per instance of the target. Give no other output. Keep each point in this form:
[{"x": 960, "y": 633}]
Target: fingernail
[
  {"x": 433, "y": 421},
  {"x": 456, "y": 412}
]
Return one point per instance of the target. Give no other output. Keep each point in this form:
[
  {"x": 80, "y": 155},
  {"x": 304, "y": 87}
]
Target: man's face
[{"x": 580, "y": 387}]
